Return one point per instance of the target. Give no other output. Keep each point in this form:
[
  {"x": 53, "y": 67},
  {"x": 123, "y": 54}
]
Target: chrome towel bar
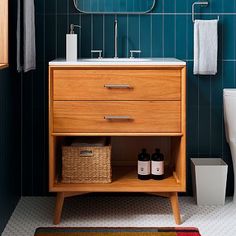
[{"x": 202, "y": 4}]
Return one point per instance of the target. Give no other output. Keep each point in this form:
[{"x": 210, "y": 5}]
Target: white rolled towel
[{"x": 205, "y": 47}]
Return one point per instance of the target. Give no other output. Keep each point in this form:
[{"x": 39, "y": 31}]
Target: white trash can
[{"x": 209, "y": 177}]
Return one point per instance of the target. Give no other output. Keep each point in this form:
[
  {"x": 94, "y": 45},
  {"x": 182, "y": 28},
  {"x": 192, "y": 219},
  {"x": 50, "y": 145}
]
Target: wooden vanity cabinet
[{"x": 151, "y": 102}]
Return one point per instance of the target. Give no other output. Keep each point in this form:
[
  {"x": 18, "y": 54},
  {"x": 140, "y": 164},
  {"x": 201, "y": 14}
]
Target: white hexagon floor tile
[{"x": 121, "y": 211}]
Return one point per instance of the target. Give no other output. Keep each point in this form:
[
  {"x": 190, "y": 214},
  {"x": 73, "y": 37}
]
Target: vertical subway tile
[
  {"x": 50, "y": 37},
  {"x": 181, "y": 37},
  {"x": 157, "y": 39},
  {"x": 204, "y": 114},
  {"x": 228, "y": 6},
  {"x": 169, "y": 6},
  {"x": 216, "y": 112},
  {"x": 133, "y": 30},
  {"x": 169, "y": 36},
  {"x": 220, "y": 39},
  {"x": 181, "y": 6},
  {"x": 51, "y": 7},
  {"x": 228, "y": 74},
  {"x": 189, "y": 45},
  {"x": 192, "y": 110},
  {"x": 228, "y": 37},
  {"x": 145, "y": 35},
  {"x": 39, "y": 7},
  {"x": 122, "y": 35},
  {"x": 217, "y": 6},
  {"x": 27, "y": 136},
  {"x": 39, "y": 31},
  {"x": 39, "y": 128},
  {"x": 62, "y": 6},
  {"x": 109, "y": 35},
  {"x": 97, "y": 32},
  {"x": 61, "y": 35},
  {"x": 86, "y": 36}
]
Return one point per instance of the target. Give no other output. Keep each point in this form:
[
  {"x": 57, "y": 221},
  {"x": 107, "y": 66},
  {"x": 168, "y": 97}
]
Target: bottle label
[
  {"x": 158, "y": 167},
  {"x": 144, "y": 168}
]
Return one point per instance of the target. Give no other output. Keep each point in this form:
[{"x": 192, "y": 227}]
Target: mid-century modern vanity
[{"x": 148, "y": 95}]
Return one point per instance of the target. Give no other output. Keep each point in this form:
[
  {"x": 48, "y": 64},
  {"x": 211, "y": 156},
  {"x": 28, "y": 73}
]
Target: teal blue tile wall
[
  {"x": 166, "y": 32},
  {"x": 10, "y": 131}
]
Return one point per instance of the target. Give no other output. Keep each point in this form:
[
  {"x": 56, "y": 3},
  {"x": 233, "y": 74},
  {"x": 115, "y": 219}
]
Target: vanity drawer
[
  {"x": 117, "y": 84},
  {"x": 117, "y": 117}
]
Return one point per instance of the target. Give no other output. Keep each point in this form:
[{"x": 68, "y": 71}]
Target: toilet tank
[{"x": 230, "y": 114}]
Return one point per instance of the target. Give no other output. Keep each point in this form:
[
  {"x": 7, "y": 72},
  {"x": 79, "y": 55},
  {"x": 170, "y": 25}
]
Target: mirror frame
[
  {"x": 3, "y": 34},
  {"x": 116, "y": 13}
]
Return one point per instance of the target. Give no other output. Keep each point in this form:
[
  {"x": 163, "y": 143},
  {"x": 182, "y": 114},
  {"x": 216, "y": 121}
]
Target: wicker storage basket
[{"x": 86, "y": 164}]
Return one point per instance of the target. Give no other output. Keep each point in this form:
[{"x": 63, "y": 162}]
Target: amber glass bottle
[{"x": 144, "y": 165}]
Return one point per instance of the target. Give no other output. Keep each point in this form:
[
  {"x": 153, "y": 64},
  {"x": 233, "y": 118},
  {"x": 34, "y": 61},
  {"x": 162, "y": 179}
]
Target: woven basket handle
[{"x": 85, "y": 152}]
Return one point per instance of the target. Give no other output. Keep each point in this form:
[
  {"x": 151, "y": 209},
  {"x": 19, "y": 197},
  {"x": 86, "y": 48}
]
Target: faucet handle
[
  {"x": 134, "y": 51},
  {"x": 99, "y": 53}
]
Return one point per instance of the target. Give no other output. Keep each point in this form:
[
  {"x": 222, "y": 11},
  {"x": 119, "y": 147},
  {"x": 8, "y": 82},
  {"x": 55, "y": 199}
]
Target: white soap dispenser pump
[{"x": 71, "y": 44}]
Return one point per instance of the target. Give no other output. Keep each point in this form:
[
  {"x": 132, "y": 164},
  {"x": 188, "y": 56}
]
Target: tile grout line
[{"x": 164, "y": 13}]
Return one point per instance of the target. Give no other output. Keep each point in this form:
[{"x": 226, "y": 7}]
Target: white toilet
[{"x": 230, "y": 126}]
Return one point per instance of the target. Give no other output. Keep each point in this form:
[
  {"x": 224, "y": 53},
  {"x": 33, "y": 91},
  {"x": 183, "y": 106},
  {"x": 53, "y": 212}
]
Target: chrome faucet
[{"x": 116, "y": 38}]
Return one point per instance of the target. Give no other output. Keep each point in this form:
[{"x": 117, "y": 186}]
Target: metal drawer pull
[
  {"x": 118, "y": 118},
  {"x": 118, "y": 86}
]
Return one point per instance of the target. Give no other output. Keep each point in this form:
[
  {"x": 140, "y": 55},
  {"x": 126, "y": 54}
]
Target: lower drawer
[{"x": 117, "y": 117}]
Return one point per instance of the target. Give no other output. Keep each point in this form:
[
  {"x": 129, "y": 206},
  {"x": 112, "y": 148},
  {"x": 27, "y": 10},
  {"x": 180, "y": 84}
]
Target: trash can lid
[
  {"x": 208, "y": 162},
  {"x": 230, "y": 92}
]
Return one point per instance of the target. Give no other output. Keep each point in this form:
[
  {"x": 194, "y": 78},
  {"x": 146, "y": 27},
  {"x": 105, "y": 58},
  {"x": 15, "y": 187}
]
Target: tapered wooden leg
[
  {"x": 175, "y": 207},
  {"x": 58, "y": 209}
]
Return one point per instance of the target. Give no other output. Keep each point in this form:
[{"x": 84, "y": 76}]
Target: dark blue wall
[
  {"x": 10, "y": 131},
  {"x": 167, "y": 32}
]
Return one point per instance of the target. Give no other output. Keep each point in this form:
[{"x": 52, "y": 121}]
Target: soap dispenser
[{"x": 71, "y": 44}]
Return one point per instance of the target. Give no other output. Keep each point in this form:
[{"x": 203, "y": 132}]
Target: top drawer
[{"x": 117, "y": 84}]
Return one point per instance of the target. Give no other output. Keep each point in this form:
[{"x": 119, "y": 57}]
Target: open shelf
[{"x": 124, "y": 180}]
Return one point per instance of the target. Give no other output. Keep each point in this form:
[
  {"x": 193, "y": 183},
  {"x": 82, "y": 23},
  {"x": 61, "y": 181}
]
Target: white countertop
[{"x": 120, "y": 61}]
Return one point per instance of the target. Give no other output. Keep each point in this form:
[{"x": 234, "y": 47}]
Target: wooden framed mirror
[{"x": 3, "y": 33}]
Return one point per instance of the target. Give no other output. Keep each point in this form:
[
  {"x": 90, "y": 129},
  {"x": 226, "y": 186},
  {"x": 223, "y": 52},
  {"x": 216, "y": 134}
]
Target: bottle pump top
[
  {"x": 144, "y": 150},
  {"x": 72, "y": 28}
]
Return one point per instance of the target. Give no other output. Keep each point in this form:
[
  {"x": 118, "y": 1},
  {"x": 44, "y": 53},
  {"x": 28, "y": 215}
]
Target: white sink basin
[{"x": 119, "y": 62}]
